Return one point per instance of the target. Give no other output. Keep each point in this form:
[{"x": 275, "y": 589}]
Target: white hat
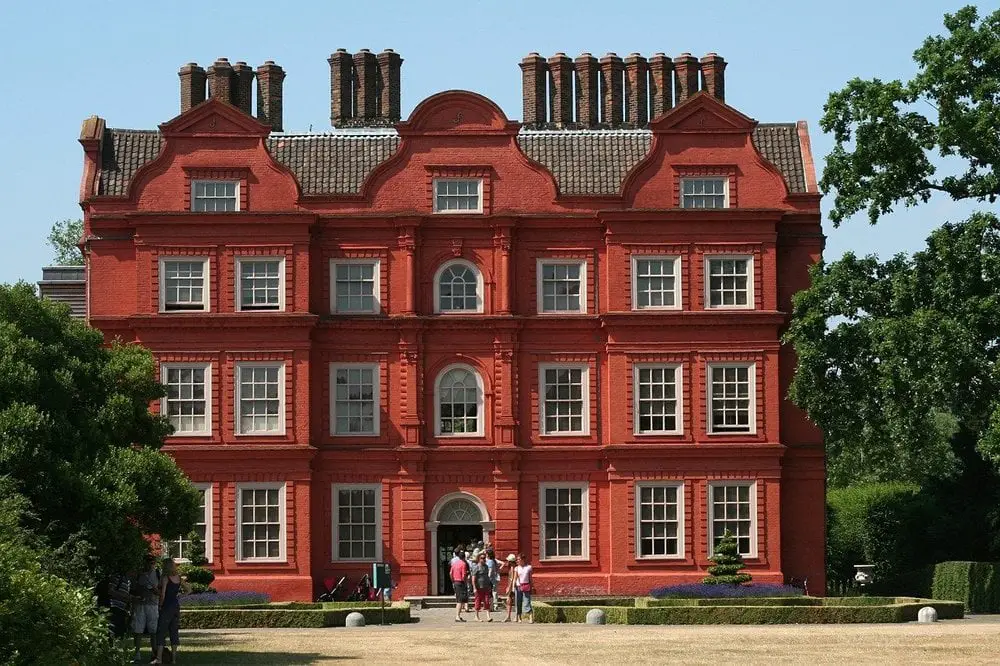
[{"x": 512, "y": 558}]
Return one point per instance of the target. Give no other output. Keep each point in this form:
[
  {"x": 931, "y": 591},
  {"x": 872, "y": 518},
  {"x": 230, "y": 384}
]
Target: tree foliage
[
  {"x": 63, "y": 238},
  {"x": 898, "y": 360},
  {"x": 887, "y": 132},
  {"x": 79, "y": 443},
  {"x": 726, "y": 564}
]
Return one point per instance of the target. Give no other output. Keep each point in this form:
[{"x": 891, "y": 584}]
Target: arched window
[
  {"x": 458, "y": 287},
  {"x": 458, "y": 403}
]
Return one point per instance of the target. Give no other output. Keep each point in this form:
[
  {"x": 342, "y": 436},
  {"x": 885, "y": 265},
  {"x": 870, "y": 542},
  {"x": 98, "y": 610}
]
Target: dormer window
[
  {"x": 215, "y": 196},
  {"x": 453, "y": 195},
  {"x": 705, "y": 193}
]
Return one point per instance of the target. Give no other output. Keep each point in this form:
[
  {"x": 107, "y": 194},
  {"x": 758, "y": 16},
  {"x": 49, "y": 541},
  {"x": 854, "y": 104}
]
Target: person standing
[
  {"x": 482, "y": 584},
  {"x": 170, "y": 611},
  {"x": 523, "y": 572},
  {"x": 145, "y": 605},
  {"x": 491, "y": 564},
  {"x": 459, "y": 572},
  {"x": 511, "y": 586}
]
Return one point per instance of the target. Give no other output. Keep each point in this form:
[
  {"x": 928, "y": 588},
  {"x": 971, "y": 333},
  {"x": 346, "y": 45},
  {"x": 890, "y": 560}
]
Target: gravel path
[{"x": 436, "y": 637}]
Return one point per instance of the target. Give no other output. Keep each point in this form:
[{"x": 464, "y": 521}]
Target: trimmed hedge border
[
  {"x": 778, "y": 610},
  {"x": 975, "y": 584},
  {"x": 284, "y": 615}
]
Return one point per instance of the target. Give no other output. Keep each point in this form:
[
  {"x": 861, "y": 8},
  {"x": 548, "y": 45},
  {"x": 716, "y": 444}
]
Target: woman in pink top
[
  {"x": 524, "y": 587},
  {"x": 459, "y": 570}
]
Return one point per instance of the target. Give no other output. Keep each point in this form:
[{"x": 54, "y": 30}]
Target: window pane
[{"x": 357, "y": 522}]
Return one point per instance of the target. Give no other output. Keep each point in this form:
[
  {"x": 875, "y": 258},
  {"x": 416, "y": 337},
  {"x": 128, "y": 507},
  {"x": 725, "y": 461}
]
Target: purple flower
[
  {"x": 700, "y": 591},
  {"x": 231, "y": 598}
]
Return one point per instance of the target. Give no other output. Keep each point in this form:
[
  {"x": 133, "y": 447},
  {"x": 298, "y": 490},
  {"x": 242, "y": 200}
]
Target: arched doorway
[{"x": 456, "y": 518}]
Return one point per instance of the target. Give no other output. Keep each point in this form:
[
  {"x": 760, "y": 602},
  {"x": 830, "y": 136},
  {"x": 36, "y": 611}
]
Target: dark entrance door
[{"x": 450, "y": 536}]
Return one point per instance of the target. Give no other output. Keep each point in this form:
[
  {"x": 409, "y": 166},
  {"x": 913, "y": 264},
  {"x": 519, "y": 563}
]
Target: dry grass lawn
[{"x": 967, "y": 641}]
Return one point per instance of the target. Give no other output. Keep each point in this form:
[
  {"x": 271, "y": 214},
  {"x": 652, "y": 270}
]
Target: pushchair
[
  {"x": 364, "y": 591},
  {"x": 332, "y": 591}
]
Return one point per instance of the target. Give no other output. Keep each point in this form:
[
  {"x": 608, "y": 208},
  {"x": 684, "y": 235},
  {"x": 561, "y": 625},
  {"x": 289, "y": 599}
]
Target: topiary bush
[
  {"x": 726, "y": 564},
  {"x": 195, "y": 571},
  {"x": 975, "y": 584}
]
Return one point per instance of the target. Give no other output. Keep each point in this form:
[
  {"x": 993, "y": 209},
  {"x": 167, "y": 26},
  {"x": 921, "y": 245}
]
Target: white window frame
[
  {"x": 709, "y": 258},
  {"x": 377, "y": 397},
  {"x": 376, "y": 286},
  {"x": 202, "y": 181},
  {"x": 681, "y": 545},
  {"x": 207, "y": 368},
  {"x": 437, "y": 287},
  {"x": 585, "y": 381},
  {"x": 725, "y": 191},
  {"x": 636, "y": 258},
  {"x": 752, "y": 485},
  {"x": 585, "y": 515},
  {"x": 480, "y": 406},
  {"x": 752, "y": 396},
  {"x": 281, "y": 487},
  {"x": 335, "y": 527},
  {"x": 206, "y": 489},
  {"x": 206, "y": 277},
  {"x": 679, "y": 398},
  {"x": 539, "y": 287},
  {"x": 281, "y": 365},
  {"x": 239, "y": 282},
  {"x": 466, "y": 211}
]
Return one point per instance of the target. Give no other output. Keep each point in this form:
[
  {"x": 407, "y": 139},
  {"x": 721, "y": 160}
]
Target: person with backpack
[{"x": 482, "y": 584}]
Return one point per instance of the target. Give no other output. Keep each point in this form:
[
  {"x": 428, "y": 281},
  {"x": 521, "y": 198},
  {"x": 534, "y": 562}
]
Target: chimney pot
[
  {"x": 612, "y": 69},
  {"x": 636, "y": 90},
  {"x": 661, "y": 85},
  {"x": 586, "y": 89},
  {"x": 192, "y": 85},
  {"x": 534, "y": 72},
  {"x": 270, "y": 79},
  {"x": 389, "y": 65},
  {"x": 341, "y": 90},
  {"x": 686, "y": 76},
  {"x": 365, "y": 90},
  {"x": 713, "y": 68}
]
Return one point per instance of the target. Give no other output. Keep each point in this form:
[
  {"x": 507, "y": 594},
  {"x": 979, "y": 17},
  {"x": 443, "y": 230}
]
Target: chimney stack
[
  {"x": 533, "y": 79},
  {"x": 220, "y": 81},
  {"x": 586, "y": 89},
  {"x": 341, "y": 87},
  {"x": 561, "y": 89},
  {"x": 243, "y": 89},
  {"x": 661, "y": 85},
  {"x": 366, "y": 77},
  {"x": 612, "y": 69},
  {"x": 389, "y": 65},
  {"x": 713, "y": 69},
  {"x": 269, "y": 85},
  {"x": 636, "y": 90},
  {"x": 192, "y": 85},
  {"x": 686, "y": 72}
]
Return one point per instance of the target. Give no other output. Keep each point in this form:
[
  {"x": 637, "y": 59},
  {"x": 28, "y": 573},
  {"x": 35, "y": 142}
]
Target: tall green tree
[
  {"x": 898, "y": 360},
  {"x": 63, "y": 238},
  {"x": 888, "y": 132},
  {"x": 77, "y": 440}
]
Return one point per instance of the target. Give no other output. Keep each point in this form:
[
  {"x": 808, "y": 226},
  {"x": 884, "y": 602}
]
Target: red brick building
[{"x": 561, "y": 335}]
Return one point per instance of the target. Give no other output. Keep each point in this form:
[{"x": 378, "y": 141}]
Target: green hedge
[
  {"x": 595, "y": 602},
  {"x": 722, "y": 601},
  {"x": 778, "y": 613},
  {"x": 975, "y": 584},
  {"x": 241, "y": 618}
]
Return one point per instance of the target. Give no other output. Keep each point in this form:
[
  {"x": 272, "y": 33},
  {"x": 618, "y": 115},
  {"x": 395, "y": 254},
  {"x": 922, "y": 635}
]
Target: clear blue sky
[{"x": 63, "y": 61}]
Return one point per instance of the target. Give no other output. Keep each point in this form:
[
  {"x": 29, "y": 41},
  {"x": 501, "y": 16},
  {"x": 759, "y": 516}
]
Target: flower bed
[
  {"x": 775, "y": 610},
  {"x": 703, "y": 591},
  {"x": 291, "y": 615}
]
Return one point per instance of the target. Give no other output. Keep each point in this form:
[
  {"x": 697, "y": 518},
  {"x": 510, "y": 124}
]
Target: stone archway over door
[{"x": 457, "y": 508}]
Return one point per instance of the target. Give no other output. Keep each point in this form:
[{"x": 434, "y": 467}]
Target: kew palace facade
[{"x": 560, "y": 336}]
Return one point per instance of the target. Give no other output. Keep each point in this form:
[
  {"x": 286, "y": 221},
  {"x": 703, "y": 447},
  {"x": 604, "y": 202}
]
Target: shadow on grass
[{"x": 195, "y": 656}]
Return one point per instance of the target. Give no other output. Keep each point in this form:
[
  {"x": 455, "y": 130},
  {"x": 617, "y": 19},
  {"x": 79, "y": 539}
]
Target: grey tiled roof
[
  {"x": 123, "y": 152},
  {"x": 583, "y": 162}
]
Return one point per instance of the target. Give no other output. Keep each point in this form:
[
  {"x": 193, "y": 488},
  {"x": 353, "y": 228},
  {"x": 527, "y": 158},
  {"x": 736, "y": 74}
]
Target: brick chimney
[
  {"x": 713, "y": 69},
  {"x": 533, "y": 79},
  {"x": 389, "y": 65},
  {"x": 661, "y": 85},
  {"x": 242, "y": 92},
  {"x": 636, "y": 90},
  {"x": 586, "y": 89},
  {"x": 561, "y": 89},
  {"x": 366, "y": 76},
  {"x": 341, "y": 87},
  {"x": 269, "y": 85},
  {"x": 686, "y": 73},
  {"x": 220, "y": 81},
  {"x": 192, "y": 85},
  {"x": 612, "y": 68}
]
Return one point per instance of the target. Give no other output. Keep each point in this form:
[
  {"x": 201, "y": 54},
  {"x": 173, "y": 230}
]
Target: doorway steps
[{"x": 431, "y": 602}]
